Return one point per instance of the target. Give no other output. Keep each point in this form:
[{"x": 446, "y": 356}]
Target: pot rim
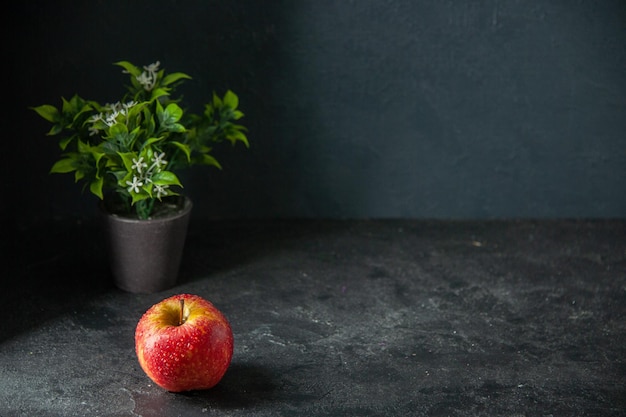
[{"x": 183, "y": 211}]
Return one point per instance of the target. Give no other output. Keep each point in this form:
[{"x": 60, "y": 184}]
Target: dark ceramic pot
[{"x": 145, "y": 255}]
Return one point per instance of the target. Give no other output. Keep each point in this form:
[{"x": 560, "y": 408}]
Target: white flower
[
  {"x": 161, "y": 190},
  {"x": 129, "y": 105},
  {"x": 152, "y": 67},
  {"x": 134, "y": 185},
  {"x": 111, "y": 118},
  {"x": 158, "y": 160},
  {"x": 145, "y": 80},
  {"x": 95, "y": 118},
  {"x": 93, "y": 130},
  {"x": 111, "y": 107},
  {"x": 148, "y": 78},
  {"x": 138, "y": 164}
]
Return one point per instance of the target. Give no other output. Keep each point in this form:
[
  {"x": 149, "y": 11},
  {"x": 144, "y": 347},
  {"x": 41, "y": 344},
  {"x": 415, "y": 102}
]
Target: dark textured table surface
[{"x": 351, "y": 318}]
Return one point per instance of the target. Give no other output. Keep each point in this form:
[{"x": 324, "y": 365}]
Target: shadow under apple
[{"x": 243, "y": 386}]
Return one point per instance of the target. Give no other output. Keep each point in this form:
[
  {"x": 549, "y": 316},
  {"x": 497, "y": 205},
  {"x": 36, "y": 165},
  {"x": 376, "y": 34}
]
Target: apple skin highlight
[{"x": 182, "y": 355}]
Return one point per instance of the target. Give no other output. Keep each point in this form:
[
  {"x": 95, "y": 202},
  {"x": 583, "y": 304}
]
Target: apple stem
[{"x": 182, "y": 309}]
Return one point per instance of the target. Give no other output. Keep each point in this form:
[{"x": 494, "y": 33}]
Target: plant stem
[
  {"x": 181, "y": 319},
  {"x": 144, "y": 208}
]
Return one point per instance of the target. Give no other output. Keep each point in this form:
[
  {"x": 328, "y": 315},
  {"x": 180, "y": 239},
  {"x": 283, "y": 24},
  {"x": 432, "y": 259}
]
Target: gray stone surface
[{"x": 358, "y": 318}]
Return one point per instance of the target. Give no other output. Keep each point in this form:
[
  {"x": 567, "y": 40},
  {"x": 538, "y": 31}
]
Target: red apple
[{"x": 184, "y": 343}]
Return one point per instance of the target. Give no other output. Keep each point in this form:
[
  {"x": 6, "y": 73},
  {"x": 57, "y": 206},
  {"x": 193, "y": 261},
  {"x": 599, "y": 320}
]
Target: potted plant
[{"x": 128, "y": 153}]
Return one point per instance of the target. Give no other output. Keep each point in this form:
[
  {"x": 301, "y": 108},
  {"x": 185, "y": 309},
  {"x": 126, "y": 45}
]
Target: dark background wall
[{"x": 369, "y": 108}]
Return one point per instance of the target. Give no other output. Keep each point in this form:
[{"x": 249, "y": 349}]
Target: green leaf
[
  {"x": 127, "y": 160},
  {"x": 147, "y": 188},
  {"x": 63, "y": 166},
  {"x": 48, "y": 112},
  {"x": 185, "y": 148},
  {"x": 96, "y": 187},
  {"x": 237, "y": 115},
  {"x": 119, "y": 134},
  {"x": 176, "y": 127},
  {"x": 169, "y": 117},
  {"x": 209, "y": 160},
  {"x": 122, "y": 177},
  {"x": 172, "y": 113},
  {"x": 64, "y": 142},
  {"x": 55, "y": 130},
  {"x": 159, "y": 92},
  {"x": 132, "y": 70},
  {"x": 235, "y": 135},
  {"x": 98, "y": 156},
  {"x": 166, "y": 178},
  {"x": 172, "y": 78},
  {"x": 139, "y": 196},
  {"x": 231, "y": 100},
  {"x": 152, "y": 140},
  {"x": 217, "y": 101}
]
